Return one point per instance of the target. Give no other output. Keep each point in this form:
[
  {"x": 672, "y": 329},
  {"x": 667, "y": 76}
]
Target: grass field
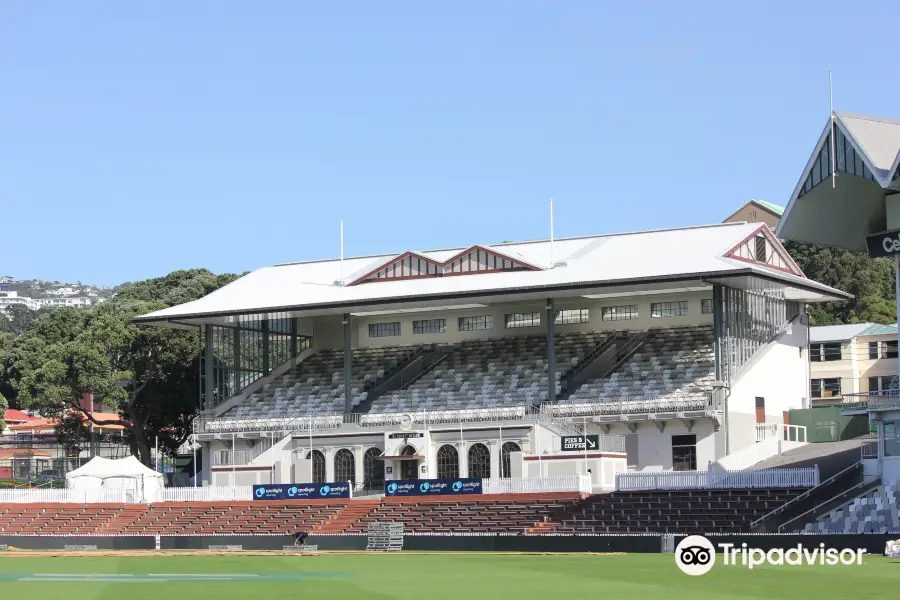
[{"x": 429, "y": 577}]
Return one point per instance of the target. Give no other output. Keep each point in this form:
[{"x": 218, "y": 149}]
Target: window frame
[
  {"x": 425, "y": 326},
  {"x": 665, "y": 310},
  {"x": 380, "y": 330},
  {"x": 572, "y": 316},
  {"x": 466, "y": 323},
  {"x": 522, "y": 320},
  {"x": 622, "y": 312}
]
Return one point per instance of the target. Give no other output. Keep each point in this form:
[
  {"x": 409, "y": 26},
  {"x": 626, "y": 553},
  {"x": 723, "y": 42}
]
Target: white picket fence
[
  {"x": 208, "y": 494},
  {"x": 537, "y": 485},
  {"x": 30, "y": 496},
  {"x": 717, "y": 479}
]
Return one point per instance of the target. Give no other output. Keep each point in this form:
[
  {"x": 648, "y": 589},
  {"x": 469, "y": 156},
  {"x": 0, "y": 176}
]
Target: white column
[
  {"x": 463, "y": 459},
  {"x": 358, "y": 452},
  {"x": 329, "y": 463},
  {"x": 494, "y": 447}
]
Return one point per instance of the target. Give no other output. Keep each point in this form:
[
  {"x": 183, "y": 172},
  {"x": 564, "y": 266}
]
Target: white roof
[
  {"x": 836, "y": 333},
  {"x": 104, "y": 468},
  {"x": 582, "y": 263},
  {"x": 877, "y": 137}
]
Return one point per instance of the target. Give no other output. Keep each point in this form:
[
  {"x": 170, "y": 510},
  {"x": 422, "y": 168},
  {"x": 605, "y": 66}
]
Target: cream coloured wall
[{"x": 498, "y": 312}]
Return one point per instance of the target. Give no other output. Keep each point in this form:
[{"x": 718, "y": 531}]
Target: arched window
[
  {"x": 344, "y": 466},
  {"x": 373, "y": 470},
  {"x": 447, "y": 462},
  {"x": 479, "y": 461},
  {"x": 318, "y": 466},
  {"x": 505, "y": 470},
  {"x": 408, "y": 451}
]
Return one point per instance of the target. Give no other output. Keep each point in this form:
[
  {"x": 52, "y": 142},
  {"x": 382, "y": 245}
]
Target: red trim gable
[
  {"x": 779, "y": 250},
  {"x": 462, "y": 263}
]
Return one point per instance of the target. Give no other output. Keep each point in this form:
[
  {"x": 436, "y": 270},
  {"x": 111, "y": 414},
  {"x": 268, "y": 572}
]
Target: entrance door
[{"x": 408, "y": 469}]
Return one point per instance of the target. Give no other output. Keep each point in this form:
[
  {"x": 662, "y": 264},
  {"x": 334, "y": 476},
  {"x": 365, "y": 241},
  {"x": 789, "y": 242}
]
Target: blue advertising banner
[
  {"x": 301, "y": 491},
  {"x": 432, "y": 487}
]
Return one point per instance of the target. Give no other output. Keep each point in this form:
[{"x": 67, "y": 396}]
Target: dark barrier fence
[
  {"x": 261, "y": 542},
  {"x": 46, "y": 542},
  {"x": 874, "y": 543}
]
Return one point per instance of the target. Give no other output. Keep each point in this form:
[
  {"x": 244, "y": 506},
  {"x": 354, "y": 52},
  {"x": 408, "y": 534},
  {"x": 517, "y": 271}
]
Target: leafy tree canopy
[
  {"x": 149, "y": 375},
  {"x": 871, "y": 281}
]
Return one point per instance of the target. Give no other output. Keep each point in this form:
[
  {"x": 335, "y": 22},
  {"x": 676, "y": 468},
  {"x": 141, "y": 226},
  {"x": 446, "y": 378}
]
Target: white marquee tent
[{"x": 137, "y": 482}]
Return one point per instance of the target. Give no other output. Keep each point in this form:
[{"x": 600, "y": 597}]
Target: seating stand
[{"x": 385, "y": 537}]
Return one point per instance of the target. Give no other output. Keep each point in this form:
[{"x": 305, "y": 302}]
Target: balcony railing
[
  {"x": 702, "y": 402},
  {"x": 871, "y": 400}
]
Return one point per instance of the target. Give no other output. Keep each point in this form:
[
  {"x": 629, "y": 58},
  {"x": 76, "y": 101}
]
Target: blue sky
[{"x": 140, "y": 138}]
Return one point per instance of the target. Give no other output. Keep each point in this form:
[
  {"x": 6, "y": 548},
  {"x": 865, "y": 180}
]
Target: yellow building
[
  {"x": 757, "y": 211},
  {"x": 851, "y": 359}
]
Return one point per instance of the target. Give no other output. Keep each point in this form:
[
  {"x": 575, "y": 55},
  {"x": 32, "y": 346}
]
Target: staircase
[
  {"x": 126, "y": 517},
  {"x": 349, "y": 515}
]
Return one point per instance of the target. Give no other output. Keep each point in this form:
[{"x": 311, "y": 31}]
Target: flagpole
[{"x": 831, "y": 134}]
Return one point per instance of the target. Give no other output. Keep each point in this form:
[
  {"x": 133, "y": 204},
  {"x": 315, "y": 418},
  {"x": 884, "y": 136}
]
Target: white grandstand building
[{"x": 675, "y": 347}]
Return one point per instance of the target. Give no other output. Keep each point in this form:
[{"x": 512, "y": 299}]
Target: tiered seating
[
  {"x": 48, "y": 519},
  {"x": 316, "y": 386},
  {"x": 490, "y": 374},
  {"x": 239, "y": 518},
  {"x": 490, "y": 514},
  {"x": 681, "y": 511},
  {"x": 676, "y": 362}
]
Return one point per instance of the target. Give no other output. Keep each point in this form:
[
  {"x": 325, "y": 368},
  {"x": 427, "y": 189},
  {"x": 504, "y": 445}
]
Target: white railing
[
  {"x": 538, "y": 485},
  {"x": 869, "y": 449},
  {"x": 702, "y": 402},
  {"x": 788, "y": 433},
  {"x": 713, "y": 479},
  {"x": 208, "y": 494},
  {"x": 33, "y": 496}
]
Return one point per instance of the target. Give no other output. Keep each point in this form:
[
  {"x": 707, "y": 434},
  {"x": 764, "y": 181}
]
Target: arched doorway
[
  {"x": 447, "y": 462},
  {"x": 409, "y": 469},
  {"x": 505, "y": 470},
  {"x": 344, "y": 466},
  {"x": 479, "y": 461},
  {"x": 318, "y": 466},
  {"x": 373, "y": 469}
]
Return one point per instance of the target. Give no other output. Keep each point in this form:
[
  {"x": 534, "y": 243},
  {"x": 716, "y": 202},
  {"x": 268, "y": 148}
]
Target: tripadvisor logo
[{"x": 696, "y": 555}]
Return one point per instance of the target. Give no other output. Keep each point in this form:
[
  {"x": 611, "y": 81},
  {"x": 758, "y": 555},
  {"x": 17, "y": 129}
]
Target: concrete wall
[{"x": 654, "y": 446}]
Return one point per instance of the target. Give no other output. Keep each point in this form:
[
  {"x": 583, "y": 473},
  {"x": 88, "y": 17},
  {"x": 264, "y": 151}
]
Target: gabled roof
[
  {"x": 842, "y": 333},
  {"x": 653, "y": 259},
  {"x": 420, "y": 264},
  {"x": 877, "y": 137},
  {"x": 772, "y": 208},
  {"x": 17, "y": 416}
]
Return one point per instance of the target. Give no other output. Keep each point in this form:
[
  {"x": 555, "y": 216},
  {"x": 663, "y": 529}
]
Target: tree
[
  {"x": 3, "y": 406},
  {"x": 151, "y": 375},
  {"x": 20, "y": 317},
  {"x": 871, "y": 281}
]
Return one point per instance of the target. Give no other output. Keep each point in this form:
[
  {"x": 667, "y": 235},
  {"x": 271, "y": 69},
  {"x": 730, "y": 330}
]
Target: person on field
[{"x": 300, "y": 538}]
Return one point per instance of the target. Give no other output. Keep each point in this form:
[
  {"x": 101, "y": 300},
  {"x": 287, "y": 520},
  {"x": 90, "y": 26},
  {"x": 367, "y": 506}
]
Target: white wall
[
  {"x": 654, "y": 447},
  {"x": 776, "y": 373}
]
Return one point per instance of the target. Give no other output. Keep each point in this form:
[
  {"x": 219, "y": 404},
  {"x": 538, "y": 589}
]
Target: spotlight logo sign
[{"x": 696, "y": 555}]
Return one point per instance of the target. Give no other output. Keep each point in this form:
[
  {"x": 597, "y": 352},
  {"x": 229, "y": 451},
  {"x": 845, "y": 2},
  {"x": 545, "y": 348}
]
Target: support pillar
[
  {"x": 237, "y": 359},
  {"x": 294, "y": 348},
  {"x": 897, "y": 296},
  {"x": 348, "y": 366},
  {"x": 209, "y": 395},
  {"x": 265, "y": 348},
  {"x": 551, "y": 351}
]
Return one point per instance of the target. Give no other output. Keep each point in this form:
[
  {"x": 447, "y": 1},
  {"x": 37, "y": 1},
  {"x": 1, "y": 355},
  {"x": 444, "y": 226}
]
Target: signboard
[
  {"x": 406, "y": 435},
  {"x": 884, "y": 244},
  {"x": 575, "y": 443},
  {"x": 301, "y": 491},
  {"x": 432, "y": 487}
]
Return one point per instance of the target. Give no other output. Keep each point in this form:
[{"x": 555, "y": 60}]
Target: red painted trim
[
  {"x": 575, "y": 456},
  {"x": 785, "y": 256},
  {"x": 450, "y": 262}
]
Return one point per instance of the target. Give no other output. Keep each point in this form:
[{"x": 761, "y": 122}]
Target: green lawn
[{"x": 435, "y": 577}]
